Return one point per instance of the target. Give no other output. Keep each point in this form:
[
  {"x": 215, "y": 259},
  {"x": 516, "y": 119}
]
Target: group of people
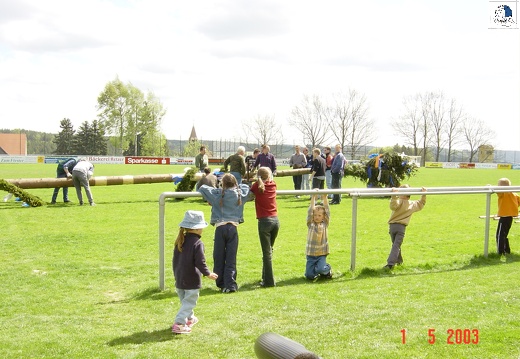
[
  {"x": 325, "y": 168},
  {"x": 227, "y": 206},
  {"x": 80, "y": 171}
]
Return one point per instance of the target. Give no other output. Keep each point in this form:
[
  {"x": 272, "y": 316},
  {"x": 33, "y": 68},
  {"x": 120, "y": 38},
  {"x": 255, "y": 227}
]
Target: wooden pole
[{"x": 28, "y": 183}]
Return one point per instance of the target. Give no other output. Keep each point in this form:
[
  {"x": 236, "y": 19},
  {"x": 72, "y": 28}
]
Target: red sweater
[{"x": 265, "y": 202}]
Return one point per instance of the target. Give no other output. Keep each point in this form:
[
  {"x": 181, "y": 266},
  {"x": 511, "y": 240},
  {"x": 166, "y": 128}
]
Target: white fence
[{"x": 356, "y": 194}]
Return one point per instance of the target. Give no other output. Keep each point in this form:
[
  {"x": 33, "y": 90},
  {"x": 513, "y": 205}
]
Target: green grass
[{"x": 82, "y": 282}]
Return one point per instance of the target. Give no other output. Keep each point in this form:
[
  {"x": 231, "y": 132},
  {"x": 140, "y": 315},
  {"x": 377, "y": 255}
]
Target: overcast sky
[{"x": 216, "y": 64}]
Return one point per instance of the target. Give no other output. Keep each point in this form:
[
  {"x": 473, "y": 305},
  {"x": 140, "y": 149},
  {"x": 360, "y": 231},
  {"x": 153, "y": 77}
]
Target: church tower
[{"x": 193, "y": 136}]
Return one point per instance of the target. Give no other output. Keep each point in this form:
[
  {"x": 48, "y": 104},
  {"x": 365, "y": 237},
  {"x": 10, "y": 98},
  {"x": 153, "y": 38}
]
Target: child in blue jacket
[{"x": 227, "y": 212}]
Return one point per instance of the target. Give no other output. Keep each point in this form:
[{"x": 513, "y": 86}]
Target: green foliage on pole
[
  {"x": 187, "y": 184},
  {"x": 384, "y": 170},
  {"x": 28, "y": 198}
]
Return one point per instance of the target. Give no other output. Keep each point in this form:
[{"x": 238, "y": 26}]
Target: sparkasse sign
[{"x": 147, "y": 160}]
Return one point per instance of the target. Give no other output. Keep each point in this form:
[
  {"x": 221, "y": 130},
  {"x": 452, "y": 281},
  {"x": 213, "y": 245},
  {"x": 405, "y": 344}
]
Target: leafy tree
[
  {"x": 64, "y": 140},
  {"x": 131, "y": 117},
  {"x": 115, "y": 106},
  {"x": 82, "y": 140},
  {"x": 98, "y": 141},
  {"x": 90, "y": 139},
  {"x": 192, "y": 149}
]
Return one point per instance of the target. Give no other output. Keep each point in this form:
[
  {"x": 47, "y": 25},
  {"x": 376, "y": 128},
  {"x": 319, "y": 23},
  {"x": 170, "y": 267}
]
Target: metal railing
[{"x": 355, "y": 194}]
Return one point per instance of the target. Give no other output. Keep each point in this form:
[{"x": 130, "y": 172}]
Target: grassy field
[{"x": 82, "y": 282}]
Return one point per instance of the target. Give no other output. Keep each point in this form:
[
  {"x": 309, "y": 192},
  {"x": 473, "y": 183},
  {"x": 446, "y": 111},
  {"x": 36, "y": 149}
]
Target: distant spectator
[
  {"x": 337, "y": 170},
  {"x": 201, "y": 160},
  {"x": 297, "y": 161},
  {"x": 236, "y": 164},
  {"x": 266, "y": 159},
  {"x": 318, "y": 169},
  {"x": 327, "y": 155},
  {"x": 250, "y": 163},
  {"x": 208, "y": 178},
  {"x": 305, "y": 176}
]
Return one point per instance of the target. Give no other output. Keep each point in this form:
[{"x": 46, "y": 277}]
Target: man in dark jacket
[
  {"x": 64, "y": 170},
  {"x": 318, "y": 169}
]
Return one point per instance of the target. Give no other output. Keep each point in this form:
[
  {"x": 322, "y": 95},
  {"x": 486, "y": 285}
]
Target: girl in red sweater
[{"x": 264, "y": 190}]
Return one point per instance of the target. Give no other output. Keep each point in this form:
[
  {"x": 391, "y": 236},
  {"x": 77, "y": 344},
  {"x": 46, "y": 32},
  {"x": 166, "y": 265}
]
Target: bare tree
[
  {"x": 426, "y": 100},
  {"x": 349, "y": 123},
  {"x": 437, "y": 118},
  {"x": 263, "y": 129},
  {"x": 408, "y": 124},
  {"x": 453, "y": 133},
  {"x": 310, "y": 119},
  {"x": 476, "y": 134}
]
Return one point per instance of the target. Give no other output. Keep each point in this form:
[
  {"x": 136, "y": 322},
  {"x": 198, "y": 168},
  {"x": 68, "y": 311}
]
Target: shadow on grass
[
  {"x": 477, "y": 261},
  {"x": 155, "y": 336}
]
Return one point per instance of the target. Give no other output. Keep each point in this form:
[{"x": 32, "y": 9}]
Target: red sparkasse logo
[{"x": 147, "y": 160}]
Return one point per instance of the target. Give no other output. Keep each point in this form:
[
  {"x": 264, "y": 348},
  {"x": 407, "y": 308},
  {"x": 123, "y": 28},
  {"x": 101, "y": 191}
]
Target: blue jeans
[
  {"x": 328, "y": 181},
  {"x": 268, "y": 231},
  {"x": 316, "y": 265},
  {"x": 225, "y": 256},
  {"x": 238, "y": 176},
  {"x": 305, "y": 182},
  {"x": 336, "y": 183},
  {"x": 188, "y": 298},
  {"x": 57, "y": 190}
]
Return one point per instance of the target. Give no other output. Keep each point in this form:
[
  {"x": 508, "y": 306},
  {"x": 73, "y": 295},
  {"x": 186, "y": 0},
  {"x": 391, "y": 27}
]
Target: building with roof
[{"x": 13, "y": 144}]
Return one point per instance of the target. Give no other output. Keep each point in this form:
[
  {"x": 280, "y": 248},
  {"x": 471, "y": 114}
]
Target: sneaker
[
  {"x": 53, "y": 202},
  {"x": 67, "y": 201},
  {"x": 229, "y": 290},
  {"x": 81, "y": 203},
  {"x": 181, "y": 329},
  {"x": 328, "y": 275},
  {"x": 191, "y": 322},
  {"x": 388, "y": 267},
  {"x": 92, "y": 204}
]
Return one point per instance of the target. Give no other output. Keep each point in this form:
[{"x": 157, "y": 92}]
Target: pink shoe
[
  {"x": 192, "y": 321},
  {"x": 181, "y": 329}
]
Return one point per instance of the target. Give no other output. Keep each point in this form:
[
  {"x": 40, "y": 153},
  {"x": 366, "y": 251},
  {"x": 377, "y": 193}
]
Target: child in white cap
[{"x": 189, "y": 264}]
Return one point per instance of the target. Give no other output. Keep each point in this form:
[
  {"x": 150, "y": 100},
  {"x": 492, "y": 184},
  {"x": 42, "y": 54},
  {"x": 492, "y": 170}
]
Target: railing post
[
  {"x": 162, "y": 283},
  {"x": 354, "y": 230},
  {"x": 486, "y": 233}
]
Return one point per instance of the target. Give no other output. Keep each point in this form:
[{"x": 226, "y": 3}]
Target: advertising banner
[
  {"x": 492, "y": 166},
  {"x": 504, "y": 166},
  {"x": 147, "y": 160},
  {"x": 433, "y": 165},
  {"x": 18, "y": 159},
  {"x": 189, "y": 161}
]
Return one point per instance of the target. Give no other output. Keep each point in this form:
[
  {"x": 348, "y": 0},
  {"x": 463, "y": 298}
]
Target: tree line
[{"x": 429, "y": 123}]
